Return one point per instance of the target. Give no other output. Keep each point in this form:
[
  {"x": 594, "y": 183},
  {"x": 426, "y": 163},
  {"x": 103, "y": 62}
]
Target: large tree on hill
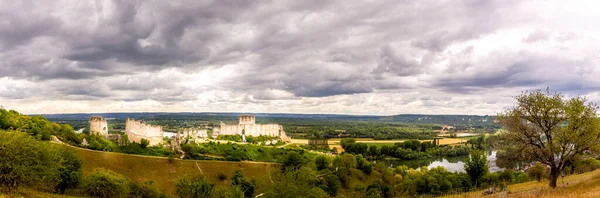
[{"x": 549, "y": 128}]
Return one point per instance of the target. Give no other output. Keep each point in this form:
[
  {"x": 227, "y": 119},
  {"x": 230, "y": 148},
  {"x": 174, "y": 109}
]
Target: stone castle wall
[
  {"x": 248, "y": 126},
  {"x": 194, "y": 134},
  {"x": 136, "y": 130},
  {"x": 251, "y": 129},
  {"x": 98, "y": 126}
]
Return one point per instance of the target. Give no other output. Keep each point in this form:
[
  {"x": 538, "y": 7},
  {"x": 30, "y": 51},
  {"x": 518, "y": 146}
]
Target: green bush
[
  {"x": 585, "y": 165},
  {"x": 106, "y": 183},
  {"x": 144, "y": 143},
  {"x": 537, "y": 171},
  {"x": 147, "y": 189},
  {"x": 190, "y": 187},
  {"x": 221, "y": 177},
  {"x": 240, "y": 181},
  {"x": 70, "y": 170},
  {"x": 322, "y": 162},
  {"x": 25, "y": 161}
]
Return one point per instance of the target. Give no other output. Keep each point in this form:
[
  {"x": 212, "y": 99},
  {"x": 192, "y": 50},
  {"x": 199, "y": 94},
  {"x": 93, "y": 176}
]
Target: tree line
[{"x": 407, "y": 150}]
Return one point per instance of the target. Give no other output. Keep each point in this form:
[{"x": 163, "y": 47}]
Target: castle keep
[
  {"x": 136, "y": 130},
  {"x": 247, "y": 126},
  {"x": 98, "y": 126}
]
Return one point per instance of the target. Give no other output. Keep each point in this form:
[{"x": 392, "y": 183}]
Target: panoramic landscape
[{"x": 318, "y": 99}]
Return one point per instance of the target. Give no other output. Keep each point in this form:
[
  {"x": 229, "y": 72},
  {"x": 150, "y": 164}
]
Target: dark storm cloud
[
  {"x": 393, "y": 62},
  {"x": 271, "y": 50},
  {"x": 22, "y": 21},
  {"x": 163, "y": 26},
  {"x": 523, "y": 69}
]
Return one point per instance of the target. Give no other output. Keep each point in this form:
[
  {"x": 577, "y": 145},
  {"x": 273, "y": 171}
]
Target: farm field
[{"x": 158, "y": 169}]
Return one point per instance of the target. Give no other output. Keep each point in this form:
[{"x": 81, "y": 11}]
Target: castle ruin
[
  {"x": 247, "y": 126},
  {"x": 194, "y": 135},
  {"x": 98, "y": 126},
  {"x": 136, "y": 130}
]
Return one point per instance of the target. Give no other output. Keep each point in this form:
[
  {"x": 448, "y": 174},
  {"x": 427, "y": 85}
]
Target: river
[{"x": 451, "y": 164}]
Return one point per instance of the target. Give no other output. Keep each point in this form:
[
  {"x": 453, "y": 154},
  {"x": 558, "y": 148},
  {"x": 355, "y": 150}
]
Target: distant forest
[{"x": 408, "y": 126}]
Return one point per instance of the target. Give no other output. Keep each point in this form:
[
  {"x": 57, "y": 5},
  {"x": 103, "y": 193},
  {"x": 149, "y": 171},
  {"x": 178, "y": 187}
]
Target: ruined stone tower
[
  {"x": 247, "y": 119},
  {"x": 98, "y": 126}
]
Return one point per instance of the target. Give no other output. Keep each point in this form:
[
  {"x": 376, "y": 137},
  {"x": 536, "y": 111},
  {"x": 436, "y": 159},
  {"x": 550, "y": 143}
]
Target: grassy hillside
[
  {"x": 29, "y": 193},
  {"x": 580, "y": 185},
  {"x": 158, "y": 169}
]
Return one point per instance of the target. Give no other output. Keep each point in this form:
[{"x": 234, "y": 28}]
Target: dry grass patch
[{"x": 580, "y": 185}]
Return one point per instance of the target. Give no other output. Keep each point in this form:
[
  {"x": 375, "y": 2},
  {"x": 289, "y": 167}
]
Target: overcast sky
[{"x": 311, "y": 56}]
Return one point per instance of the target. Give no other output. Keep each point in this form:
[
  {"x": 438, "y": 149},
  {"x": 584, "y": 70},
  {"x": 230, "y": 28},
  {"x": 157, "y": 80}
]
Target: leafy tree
[
  {"x": 144, "y": 143},
  {"x": 293, "y": 160},
  {"x": 106, "y": 183},
  {"x": 295, "y": 183},
  {"x": 347, "y": 141},
  {"x": 192, "y": 188},
  {"x": 537, "y": 171},
  {"x": 549, "y": 128},
  {"x": 246, "y": 186},
  {"x": 385, "y": 150},
  {"x": 330, "y": 183},
  {"x": 343, "y": 164},
  {"x": 477, "y": 166},
  {"x": 363, "y": 164},
  {"x": 477, "y": 142},
  {"x": 147, "y": 189},
  {"x": 506, "y": 175},
  {"x": 373, "y": 151},
  {"x": 70, "y": 170},
  {"x": 322, "y": 162},
  {"x": 27, "y": 162}
]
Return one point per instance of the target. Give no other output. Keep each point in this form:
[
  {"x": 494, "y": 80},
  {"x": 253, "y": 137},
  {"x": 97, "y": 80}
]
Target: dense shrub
[
  {"x": 302, "y": 182},
  {"x": 27, "y": 162},
  {"x": 193, "y": 187},
  {"x": 247, "y": 187},
  {"x": 322, "y": 162},
  {"x": 147, "y": 189},
  {"x": 537, "y": 171},
  {"x": 585, "y": 165},
  {"x": 106, "y": 183},
  {"x": 477, "y": 166},
  {"x": 69, "y": 169},
  {"x": 96, "y": 142},
  {"x": 37, "y": 126}
]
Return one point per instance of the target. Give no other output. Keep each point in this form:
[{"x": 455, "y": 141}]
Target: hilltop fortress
[
  {"x": 136, "y": 130},
  {"x": 98, "y": 126},
  {"x": 247, "y": 126}
]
